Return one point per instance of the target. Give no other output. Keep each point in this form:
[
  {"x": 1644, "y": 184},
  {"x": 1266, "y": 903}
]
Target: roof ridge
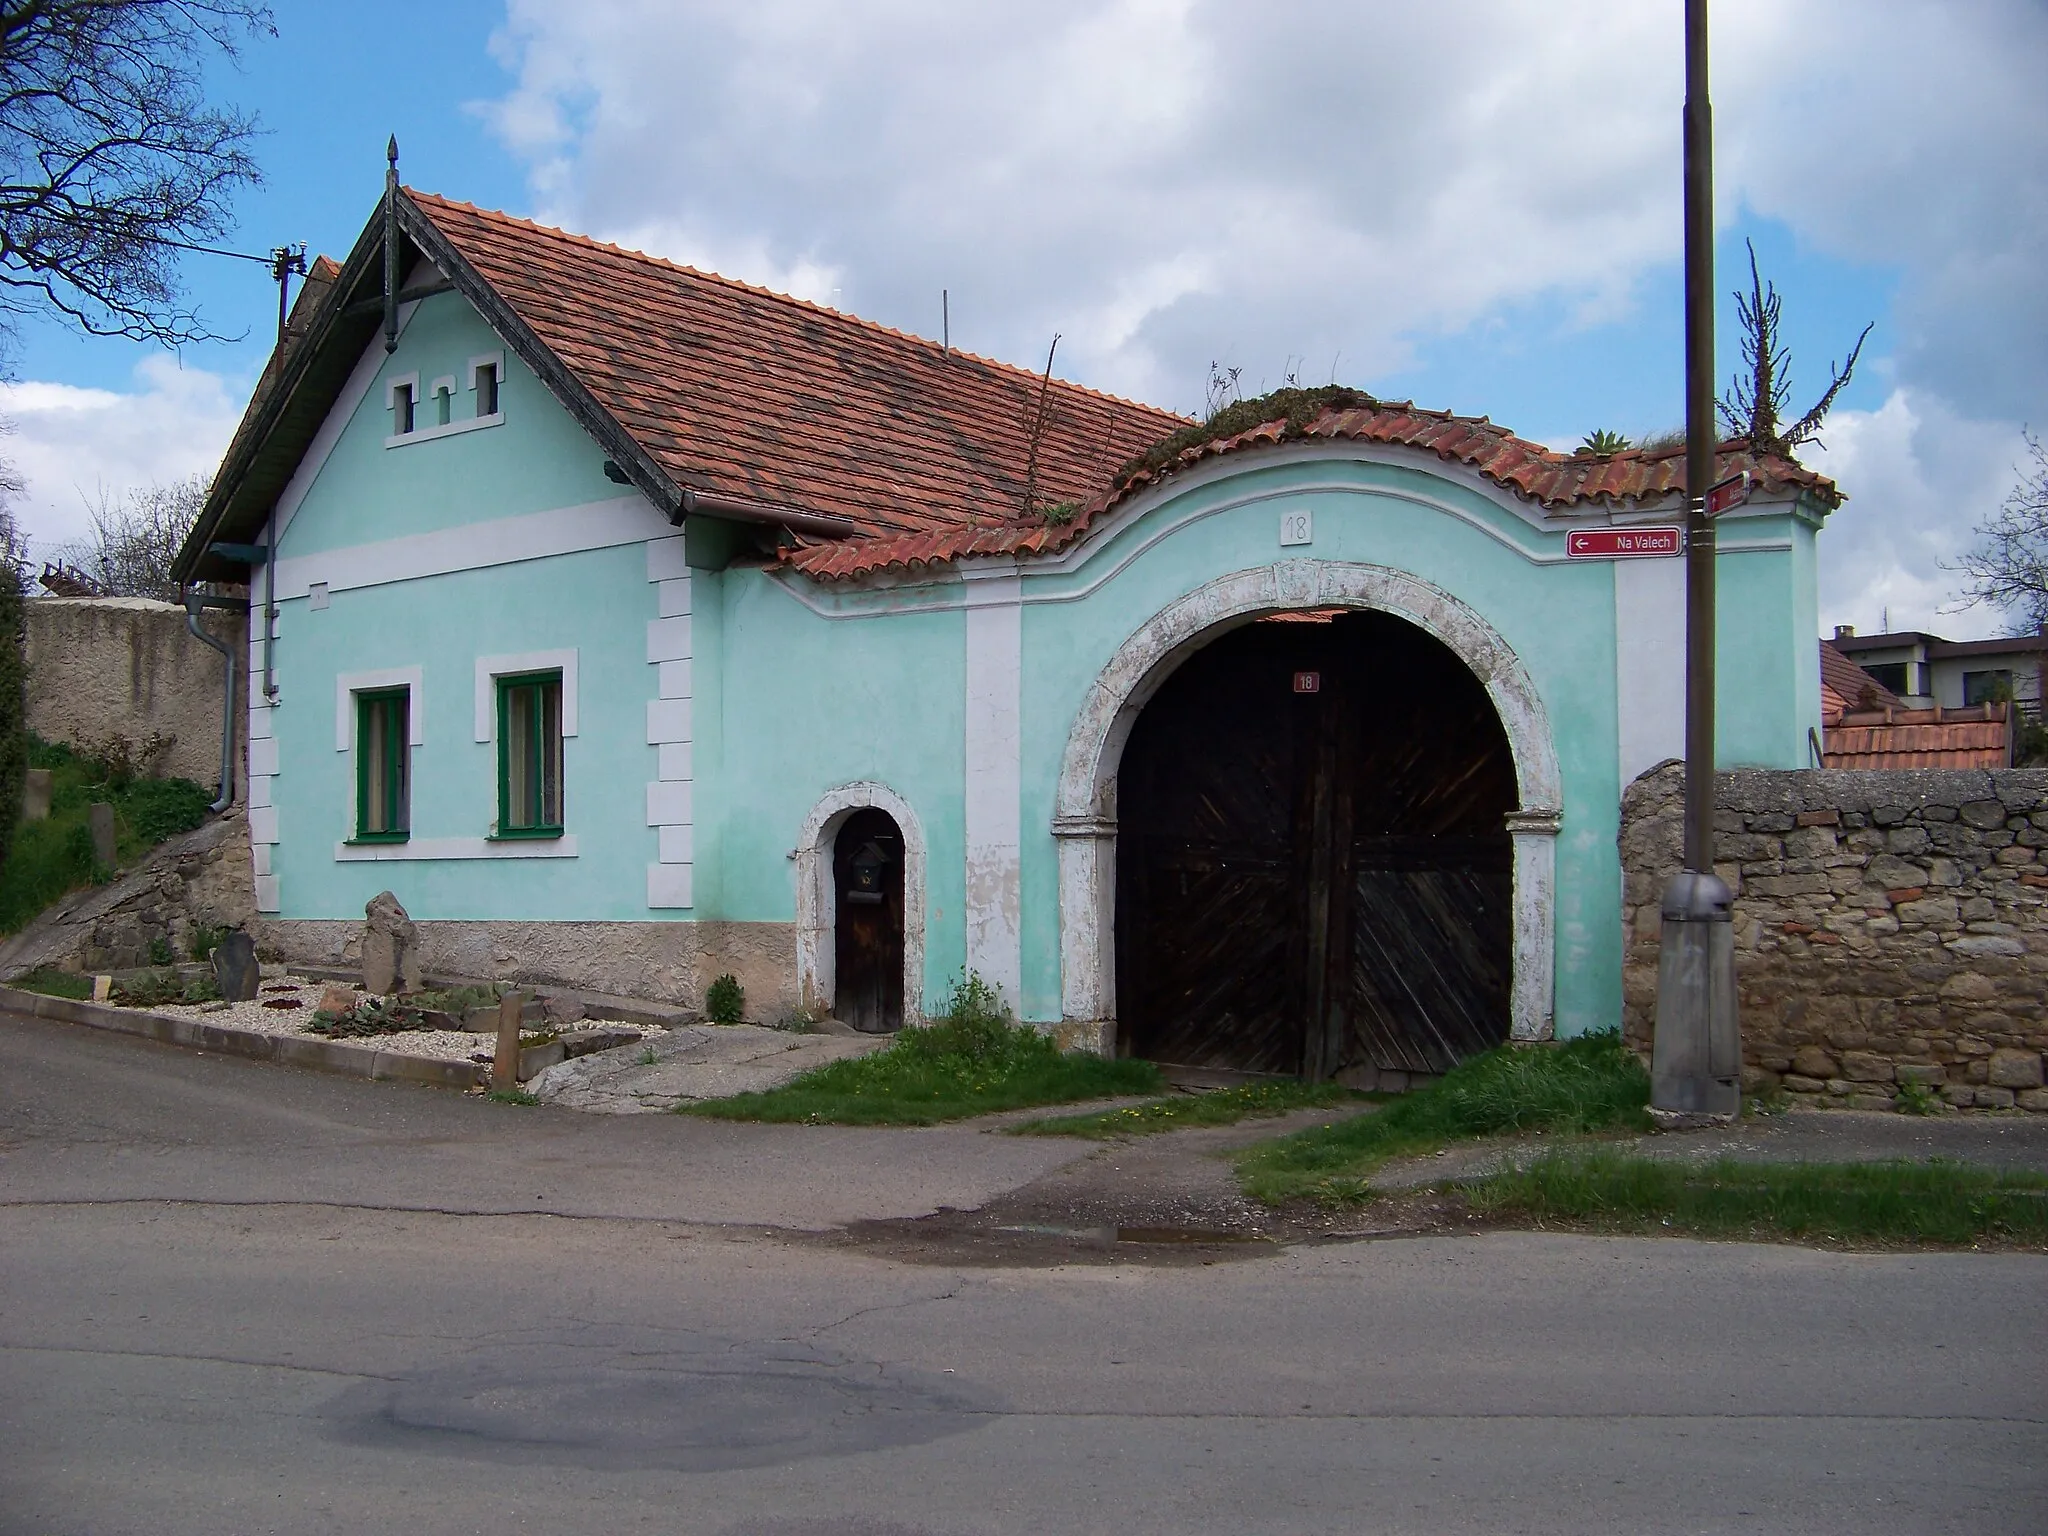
[{"x": 573, "y": 237}]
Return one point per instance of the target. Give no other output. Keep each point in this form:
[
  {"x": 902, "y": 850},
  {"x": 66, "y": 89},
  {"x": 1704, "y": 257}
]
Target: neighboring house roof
[
  {"x": 1845, "y": 686},
  {"x": 1936, "y": 648},
  {"x": 1976, "y": 737},
  {"x": 876, "y": 449}
]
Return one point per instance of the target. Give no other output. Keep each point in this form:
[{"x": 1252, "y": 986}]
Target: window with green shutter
[
  {"x": 530, "y": 755},
  {"x": 383, "y": 765}
]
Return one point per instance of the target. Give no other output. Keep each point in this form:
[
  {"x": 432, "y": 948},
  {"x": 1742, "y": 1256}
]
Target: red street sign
[
  {"x": 1732, "y": 492},
  {"x": 1623, "y": 543},
  {"x": 1308, "y": 682}
]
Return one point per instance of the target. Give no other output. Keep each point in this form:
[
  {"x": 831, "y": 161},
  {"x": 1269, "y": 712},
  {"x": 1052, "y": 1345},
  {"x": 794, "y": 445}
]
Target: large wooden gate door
[{"x": 1313, "y": 871}]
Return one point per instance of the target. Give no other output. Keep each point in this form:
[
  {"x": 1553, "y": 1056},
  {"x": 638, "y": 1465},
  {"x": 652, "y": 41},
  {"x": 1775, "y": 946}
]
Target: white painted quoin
[{"x": 752, "y": 649}]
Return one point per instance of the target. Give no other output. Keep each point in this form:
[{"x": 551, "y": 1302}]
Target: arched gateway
[{"x": 1502, "y": 813}]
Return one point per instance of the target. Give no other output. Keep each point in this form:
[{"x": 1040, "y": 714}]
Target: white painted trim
[
  {"x": 670, "y": 886},
  {"x": 452, "y": 429},
  {"x": 669, "y": 803},
  {"x": 668, "y": 639},
  {"x": 268, "y": 898},
  {"x": 675, "y": 760},
  {"x": 490, "y": 668},
  {"x": 817, "y": 904},
  {"x": 437, "y": 849},
  {"x": 668, "y": 720},
  {"x": 392, "y": 386},
  {"x": 993, "y": 788},
  {"x": 1533, "y": 983},
  {"x": 360, "y": 380},
  {"x": 627, "y": 519},
  {"x": 1085, "y": 808},
  {"x": 1649, "y": 663},
  {"x": 348, "y": 684},
  {"x": 263, "y": 824},
  {"x": 672, "y": 599},
  {"x": 488, "y": 359},
  {"x": 667, "y": 560}
]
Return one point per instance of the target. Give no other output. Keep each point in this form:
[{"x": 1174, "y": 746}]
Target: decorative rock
[
  {"x": 100, "y": 817},
  {"x": 2015, "y": 1069},
  {"x": 391, "y": 959},
  {"x": 35, "y": 794},
  {"x": 337, "y": 999},
  {"x": 235, "y": 970}
]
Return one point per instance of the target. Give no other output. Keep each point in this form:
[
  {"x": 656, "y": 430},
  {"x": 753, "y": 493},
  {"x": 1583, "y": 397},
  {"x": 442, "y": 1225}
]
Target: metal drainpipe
[
  {"x": 193, "y": 603},
  {"x": 269, "y": 608}
]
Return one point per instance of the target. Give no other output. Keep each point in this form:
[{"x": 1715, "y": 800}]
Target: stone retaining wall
[
  {"x": 125, "y": 673},
  {"x": 1891, "y": 929}
]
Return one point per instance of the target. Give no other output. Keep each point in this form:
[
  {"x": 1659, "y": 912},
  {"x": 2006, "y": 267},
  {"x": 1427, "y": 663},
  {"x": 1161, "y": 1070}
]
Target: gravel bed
[{"x": 438, "y": 1044}]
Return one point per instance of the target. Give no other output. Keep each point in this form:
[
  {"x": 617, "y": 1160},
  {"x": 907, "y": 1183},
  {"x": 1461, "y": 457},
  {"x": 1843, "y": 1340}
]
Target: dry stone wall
[{"x": 1891, "y": 929}]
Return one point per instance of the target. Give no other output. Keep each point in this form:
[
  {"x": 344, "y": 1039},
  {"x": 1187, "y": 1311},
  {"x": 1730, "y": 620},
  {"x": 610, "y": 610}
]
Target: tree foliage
[
  {"x": 2008, "y": 567},
  {"x": 111, "y": 156},
  {"x": 134, "y": 541},
  {"x": 1754, "y": 406}
]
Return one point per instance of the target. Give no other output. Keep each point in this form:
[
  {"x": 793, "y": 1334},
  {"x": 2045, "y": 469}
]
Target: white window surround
[
  {"x": 490, "y": 668},
  {"x": 392, "y": 386},
  {"x": 432, "y": 849},
  {"x": 817, "y": 901},
  {"x": 488, "y": 360},
  {"x": 453, "y": 429},
  {"x": 443, "y": 388},
  {"x": 348, "y": 684}
]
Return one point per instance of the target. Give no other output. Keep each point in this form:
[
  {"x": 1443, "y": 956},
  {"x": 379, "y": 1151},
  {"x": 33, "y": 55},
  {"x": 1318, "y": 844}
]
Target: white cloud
[
  {"x": 1166, "y": 182},
  {"x": 69, "y": 443},
  {"x": 1920, "y": 478}
]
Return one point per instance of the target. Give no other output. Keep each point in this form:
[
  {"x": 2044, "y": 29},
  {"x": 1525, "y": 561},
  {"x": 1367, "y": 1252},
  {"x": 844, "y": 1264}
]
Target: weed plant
[
  {"x": 1184, "y": 1111},
  {"x": 1591, "y": 1083},
  {"x": 970, "y": 1060},
  {"x": 53, "y": 857},
  {"x": 1930, "y": 1202},
  {"x": 725, "y": 1001}
]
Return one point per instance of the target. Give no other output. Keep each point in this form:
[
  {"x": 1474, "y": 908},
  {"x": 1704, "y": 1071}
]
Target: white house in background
[{"x": 1925, "y": 670}]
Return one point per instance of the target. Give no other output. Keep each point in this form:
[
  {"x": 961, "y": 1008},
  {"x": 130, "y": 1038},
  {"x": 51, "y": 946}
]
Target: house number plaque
[
  {"x": 1308, "y": 682},
  {"x": 1297, "y": 528}
]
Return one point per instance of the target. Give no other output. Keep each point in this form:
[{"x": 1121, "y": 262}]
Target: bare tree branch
[
  {"x": 2008, "y": 568},
  {"x": 109, "y": 149}
]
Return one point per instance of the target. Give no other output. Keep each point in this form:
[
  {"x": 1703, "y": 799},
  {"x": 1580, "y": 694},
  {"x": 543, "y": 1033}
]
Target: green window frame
[
  {"x": 383, "y": 765},
  {"x": 530, "y": 755}
]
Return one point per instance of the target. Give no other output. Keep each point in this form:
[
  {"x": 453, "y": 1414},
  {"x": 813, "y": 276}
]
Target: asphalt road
[{"x": 236, "y": 1298}]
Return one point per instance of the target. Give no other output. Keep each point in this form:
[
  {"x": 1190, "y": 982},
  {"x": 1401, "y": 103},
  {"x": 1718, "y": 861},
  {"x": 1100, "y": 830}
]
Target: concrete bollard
[
  {"x": 505, "y": 1065},
  {"x": 100, "y": 817}
]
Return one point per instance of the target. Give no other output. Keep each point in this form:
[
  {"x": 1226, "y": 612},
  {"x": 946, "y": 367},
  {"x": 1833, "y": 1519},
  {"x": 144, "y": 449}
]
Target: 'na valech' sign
[{"x": 1623, "y": 543}]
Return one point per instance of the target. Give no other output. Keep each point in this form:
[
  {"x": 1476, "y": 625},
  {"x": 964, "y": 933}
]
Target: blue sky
[{"x": 1493, "y": 232}]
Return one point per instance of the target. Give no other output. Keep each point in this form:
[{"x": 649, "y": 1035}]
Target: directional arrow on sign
[{"x": 1732, "y": 492}]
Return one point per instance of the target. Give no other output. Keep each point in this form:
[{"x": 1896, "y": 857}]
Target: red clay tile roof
[
  {"x": 741, "y": 392},
  {"x": 1977, "y": 737},
  {"x": 1845, "y": 686},
  {"x": 1560, "y": 483},
  {"x": 1552, "y": 480}
]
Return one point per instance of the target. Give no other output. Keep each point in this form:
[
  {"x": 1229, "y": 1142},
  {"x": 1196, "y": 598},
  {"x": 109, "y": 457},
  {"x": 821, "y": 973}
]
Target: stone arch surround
[
  {"x": 816, "y": 957},
  {"x": 1085, "y": 810}
]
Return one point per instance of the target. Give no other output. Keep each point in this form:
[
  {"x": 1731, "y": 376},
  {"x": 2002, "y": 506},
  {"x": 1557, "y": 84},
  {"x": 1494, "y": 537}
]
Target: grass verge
[
  {"x": 971, "y": 1061},
  {"x": 53, "y": 857},
  {"x": 1185, "y": 1111},
  {"x": 1930, "y": 1202},
  {"x": 55, "y": 983},
  {"x": 1592, "y": 1083}
]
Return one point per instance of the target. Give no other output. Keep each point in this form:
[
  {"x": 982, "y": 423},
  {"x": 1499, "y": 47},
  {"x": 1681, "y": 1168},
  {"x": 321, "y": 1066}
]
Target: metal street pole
[{"x": 1696, "y": 1067}]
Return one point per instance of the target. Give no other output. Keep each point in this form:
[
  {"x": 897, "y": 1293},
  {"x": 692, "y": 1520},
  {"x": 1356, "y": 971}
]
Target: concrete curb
[{"x": 291, "y": 1050}]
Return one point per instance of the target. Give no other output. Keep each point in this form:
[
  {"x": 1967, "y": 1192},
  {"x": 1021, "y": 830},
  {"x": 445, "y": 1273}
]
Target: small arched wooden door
[{"x": 867, "y": 923}]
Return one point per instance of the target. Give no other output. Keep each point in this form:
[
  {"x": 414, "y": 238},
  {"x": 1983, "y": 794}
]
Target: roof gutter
[{"x": 708, "y": 504}]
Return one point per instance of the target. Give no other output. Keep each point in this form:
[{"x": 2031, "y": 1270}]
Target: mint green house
[{"x": 635, "y": 626}]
